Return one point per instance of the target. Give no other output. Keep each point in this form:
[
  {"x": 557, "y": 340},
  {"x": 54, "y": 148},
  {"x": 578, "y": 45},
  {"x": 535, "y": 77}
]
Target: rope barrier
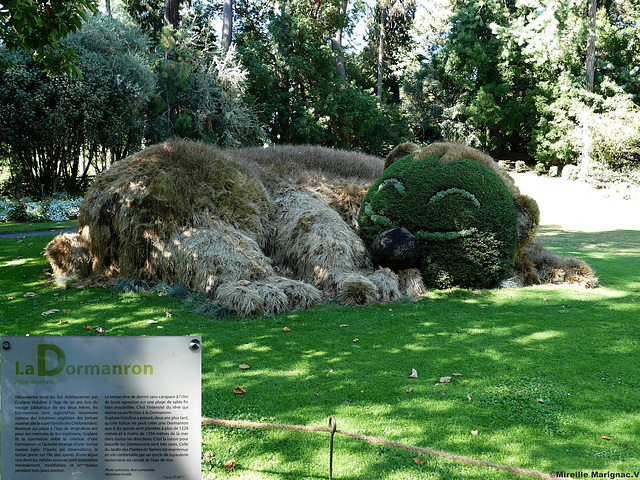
[{"x": 379, "y": 441}]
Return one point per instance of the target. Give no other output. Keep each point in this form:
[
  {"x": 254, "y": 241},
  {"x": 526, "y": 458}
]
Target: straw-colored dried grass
[
  {"x": 189, "y": 213},
  {"x": 148, "y": 197},
  {"x": 387, "y": 285},
  {"x": 410, "y": 283},
  {"x": 203, "y": 258},
  {"x": 354, "y": 289},
  {"x": 309, "y": 235},
  {"x": 539, "y": 266},
  {"x": 70, "y": 254}
]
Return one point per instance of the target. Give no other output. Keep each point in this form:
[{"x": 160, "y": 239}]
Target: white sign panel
[{"x": 92, "y": 408}]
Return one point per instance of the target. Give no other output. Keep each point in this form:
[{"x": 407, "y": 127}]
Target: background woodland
[{"x": 551, "y": 82}]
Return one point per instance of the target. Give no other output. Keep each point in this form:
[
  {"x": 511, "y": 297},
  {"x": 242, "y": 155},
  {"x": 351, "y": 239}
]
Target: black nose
[{"x": 397, "y": 249}]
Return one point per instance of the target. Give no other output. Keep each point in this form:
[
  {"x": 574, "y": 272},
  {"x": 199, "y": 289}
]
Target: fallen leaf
[
  {"x": 11, "y": 298},
  {"x": 168, "y": 314},
  {"x": 344, "y": 325},
  {"x": 239, "y": 391},
  {"x": 62, "y": 322},
  {"x": 474, "y": 432},
  {"x": 208, "y": 456},
  {"x": 469, "y": 397},
  {"x": 605, "y": 437},
  {"x": 89, "y": 327},
  {"x": 230, "y": 464},
  {"x": 457, "y": 374},
  {"x": 151, "y": 322},
  {"x": 418, "y": 461},
  {"x": 356, "y": 340},
  {"x": 445, "y": 379},
  {"x": 414, "y": 373},
  {"x": 409, "y": 390},
  {"x": 49, "y": 312},
  {"x": 243, "y": 366},
  {"x": 540, "y": 400},
  {"x": 30, "y": 294},
  {"x": 286, "y": 329},
  {"x": 100, "y": 330}
]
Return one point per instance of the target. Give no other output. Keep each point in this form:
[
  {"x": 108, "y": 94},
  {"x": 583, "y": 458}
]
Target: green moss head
[{"x": 461, "y": 211}]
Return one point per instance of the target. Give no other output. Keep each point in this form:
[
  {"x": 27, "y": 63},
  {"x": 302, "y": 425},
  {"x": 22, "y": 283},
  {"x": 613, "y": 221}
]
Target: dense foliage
[
  {"x": 38, "y": 26},
  {"x": 296, "y": 86},
  {"x": 508, "y": 77},
  {"x": 54, "y": 130}
]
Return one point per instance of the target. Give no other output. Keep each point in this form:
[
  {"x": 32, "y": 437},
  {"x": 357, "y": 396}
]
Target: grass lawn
[
  {"x": 542, "y": 374},
  {"x": 17, "y": 227}
]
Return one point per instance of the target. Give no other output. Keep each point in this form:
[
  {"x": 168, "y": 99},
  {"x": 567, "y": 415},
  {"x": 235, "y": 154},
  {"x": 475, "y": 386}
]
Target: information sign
[{"x": 92, "y": 408}]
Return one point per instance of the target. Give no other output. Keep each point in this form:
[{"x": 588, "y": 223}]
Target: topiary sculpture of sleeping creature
[{"x": 275, "y": 229}]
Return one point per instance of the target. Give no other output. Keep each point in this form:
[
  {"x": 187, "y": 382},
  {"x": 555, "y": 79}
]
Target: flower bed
[{"x": 58, "y": 208}]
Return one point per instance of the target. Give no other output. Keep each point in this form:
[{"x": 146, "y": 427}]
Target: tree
[
  {"x": 172, "y": 13},
  {"x": 202, "y": 91},
  {"x": 388, "y": 40},
  {"x": 227, "y": 24},
  {"x": 149, "y": 14},
  {"x": 591, "y": 44},
  {"x": 336, "y": 44},
  {"x": 54, "y": 128},
  {"x": 37, "y": 26},
  {"x": 300, "y": 95}
]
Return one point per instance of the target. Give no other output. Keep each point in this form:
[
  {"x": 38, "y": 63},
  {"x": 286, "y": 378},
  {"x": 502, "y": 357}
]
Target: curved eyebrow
[
  {"x": 395, "y": 182},
  {"x": 454, "y": 191}
]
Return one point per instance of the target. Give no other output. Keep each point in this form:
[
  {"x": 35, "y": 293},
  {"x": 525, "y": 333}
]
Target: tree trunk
[
  {"x": 107, "y": 6},
  {"x": 227, "y": 24},
  {"x": 585, "y": 160},
  {"x": 591, "y": 45},
  {"x": 336, "y": 45},
  {"x": 171, "y": 13},
  {"x": 381, "y": 52}
]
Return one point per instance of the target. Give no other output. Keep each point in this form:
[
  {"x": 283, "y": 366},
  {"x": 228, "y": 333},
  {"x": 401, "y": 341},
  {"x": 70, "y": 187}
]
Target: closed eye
[
  {"x": 454, "y": 191},
  {"x": 399, "y": 186}
]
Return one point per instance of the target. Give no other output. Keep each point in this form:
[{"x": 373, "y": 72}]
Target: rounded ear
[
  {"x": 527, "y": 219},
  {"x": 399, "y": 152}
]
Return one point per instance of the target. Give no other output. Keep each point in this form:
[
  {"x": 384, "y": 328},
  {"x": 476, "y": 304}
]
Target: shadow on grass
[{"x": 544, "y": 372}]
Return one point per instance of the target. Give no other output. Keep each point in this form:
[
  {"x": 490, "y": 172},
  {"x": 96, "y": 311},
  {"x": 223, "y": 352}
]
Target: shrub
[
  {"x": 521, "y": 166},
  {"x": 570, "y": 172},
  {"x": 615, "y": 134},
  {"x": 466, "y": 228}
]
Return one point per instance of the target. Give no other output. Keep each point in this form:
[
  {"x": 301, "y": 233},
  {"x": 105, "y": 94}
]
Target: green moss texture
[{"x": 461, "y": 211}]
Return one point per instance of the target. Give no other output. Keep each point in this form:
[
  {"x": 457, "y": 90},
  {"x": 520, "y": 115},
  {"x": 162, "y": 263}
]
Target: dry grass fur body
[{"x": 257, "y": 230}]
